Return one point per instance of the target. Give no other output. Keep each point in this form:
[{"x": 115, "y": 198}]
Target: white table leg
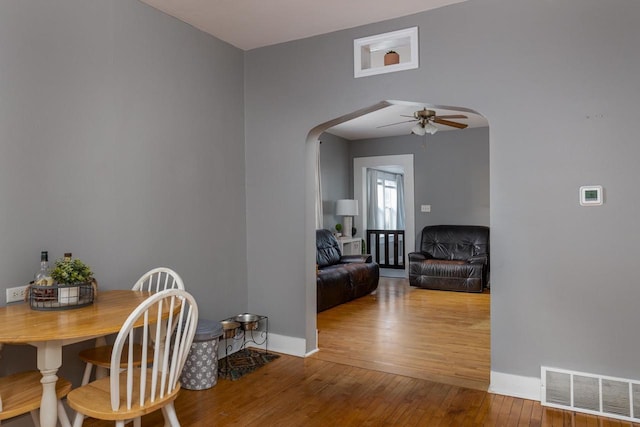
[{"x": 49, "y": 360}]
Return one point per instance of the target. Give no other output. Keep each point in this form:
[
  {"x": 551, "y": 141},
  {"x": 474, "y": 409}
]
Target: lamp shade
[
  {"x": 430, "y": 128},
  {"x": 418, "y": 130},
  {"x": 347, "y": 207}
]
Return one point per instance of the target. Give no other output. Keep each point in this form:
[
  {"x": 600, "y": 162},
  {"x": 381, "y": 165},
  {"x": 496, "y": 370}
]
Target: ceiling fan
[{"x": 425, "y": 119}]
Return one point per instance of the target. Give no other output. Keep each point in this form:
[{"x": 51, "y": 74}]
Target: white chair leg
[
  {"x": 165, "y": 417},
  {"x": 87, "y": 373},
  {"x": 35, "y": 416},
  {"x": 170, "y": 417},
  {"x": 119, "y": 423},
  {"x": 78, "y": 420},
  {"x": 62, "y": 415}
]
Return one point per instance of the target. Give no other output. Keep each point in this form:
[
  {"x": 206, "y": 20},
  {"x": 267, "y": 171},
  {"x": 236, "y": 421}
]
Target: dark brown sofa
[
  {"x": 452, "y": 258},
  {"x": 341, "y": 278}
]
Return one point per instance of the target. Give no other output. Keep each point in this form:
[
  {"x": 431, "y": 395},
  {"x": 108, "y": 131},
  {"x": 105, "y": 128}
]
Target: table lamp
[{"x": 347, "y": 208}]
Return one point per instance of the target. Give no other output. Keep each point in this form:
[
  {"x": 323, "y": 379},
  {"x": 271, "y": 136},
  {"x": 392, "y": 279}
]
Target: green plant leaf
[{"x": 71, "y": 272}]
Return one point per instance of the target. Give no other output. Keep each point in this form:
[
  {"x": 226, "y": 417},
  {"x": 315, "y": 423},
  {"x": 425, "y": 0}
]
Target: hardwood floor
[
  {"x": 432, "y": 335},
  {"x": 353, "y": 389}
]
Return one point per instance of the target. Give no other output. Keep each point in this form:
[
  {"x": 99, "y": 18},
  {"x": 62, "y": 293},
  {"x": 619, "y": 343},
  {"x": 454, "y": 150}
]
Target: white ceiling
[
  {"x": 368, "y": 125},
  {"x": 249, "y": 24}
]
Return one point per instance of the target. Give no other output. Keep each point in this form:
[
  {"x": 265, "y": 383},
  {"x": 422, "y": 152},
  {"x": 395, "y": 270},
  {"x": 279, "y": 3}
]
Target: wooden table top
[{"x": 19, "y": 324}]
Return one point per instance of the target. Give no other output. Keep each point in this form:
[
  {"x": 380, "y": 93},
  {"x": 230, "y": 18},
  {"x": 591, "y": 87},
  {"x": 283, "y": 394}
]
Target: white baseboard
[
  {"x": 279, "y": 343},
  {"x": 515, "y": 386},
  {"x": 288, "y": 345}
]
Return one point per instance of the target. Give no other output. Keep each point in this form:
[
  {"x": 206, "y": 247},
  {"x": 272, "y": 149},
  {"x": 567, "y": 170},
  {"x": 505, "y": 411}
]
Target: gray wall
[
  {"x": 121, "y": 132},
  {"x": 335, "y": 167},
  {"x": 451, "y": 173},
  {"x": 558, "y": 84},
  {"x": 121, "y": 140}
]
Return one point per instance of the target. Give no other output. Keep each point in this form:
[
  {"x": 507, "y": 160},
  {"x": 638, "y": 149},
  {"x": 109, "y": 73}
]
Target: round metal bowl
[
  {"x": 248, "y": 321},
  {"x": 230, "y": 328}
]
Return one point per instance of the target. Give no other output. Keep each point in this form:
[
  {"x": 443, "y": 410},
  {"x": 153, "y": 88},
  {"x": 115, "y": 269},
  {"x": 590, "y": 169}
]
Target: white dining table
[{"x": 49, "y": 331}]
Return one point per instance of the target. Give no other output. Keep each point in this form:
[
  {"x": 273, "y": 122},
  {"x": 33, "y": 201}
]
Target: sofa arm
[
  {"x": 478, "y": 259},
  {"x": 417, "y": 257},
  {"x": 352, "y": 259}
]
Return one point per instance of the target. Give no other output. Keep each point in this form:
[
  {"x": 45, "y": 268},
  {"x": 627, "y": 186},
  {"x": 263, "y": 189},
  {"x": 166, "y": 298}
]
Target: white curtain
[
  {"x": 318, "y": 189},
  {"x": 375, "y": 216},
  {"x": 400, "y": 203},
  {"x": 385, "y": 197}
]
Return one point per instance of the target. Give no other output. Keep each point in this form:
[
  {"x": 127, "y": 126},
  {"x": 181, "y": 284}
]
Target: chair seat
[
  {"x": 101, "y": 356},
  {"x": 94, "y": 399},
  {"x": 21, "y": 393}
]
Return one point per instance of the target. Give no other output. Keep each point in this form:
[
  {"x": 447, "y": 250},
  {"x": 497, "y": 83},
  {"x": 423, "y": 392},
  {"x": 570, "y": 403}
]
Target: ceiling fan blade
[
  {"x": 452, "y": 116},
  {"x": 449, "y": 123},
  {"x": 397, "y": 123}
]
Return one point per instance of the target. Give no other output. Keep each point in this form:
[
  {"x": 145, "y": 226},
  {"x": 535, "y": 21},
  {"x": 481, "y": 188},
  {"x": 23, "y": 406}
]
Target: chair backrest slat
[
  {"x": 145, "y": 351},
  {"x": 179, "y": 351},
  {"x": 169, "y": 351},
  {"x": 159, "y": 279},
  {"x": 130, "y": 368}
]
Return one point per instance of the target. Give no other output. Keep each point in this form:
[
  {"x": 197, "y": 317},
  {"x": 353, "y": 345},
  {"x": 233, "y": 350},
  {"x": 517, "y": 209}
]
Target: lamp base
[{"x": 347, "y": 224}]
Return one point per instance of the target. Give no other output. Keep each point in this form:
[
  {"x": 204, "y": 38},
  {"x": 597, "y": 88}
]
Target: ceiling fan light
[
  {"x": 430, "y": 128},
  {"x": 418, "y": 130}
]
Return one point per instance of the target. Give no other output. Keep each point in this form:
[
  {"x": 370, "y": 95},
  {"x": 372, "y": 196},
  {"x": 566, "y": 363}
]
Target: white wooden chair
[
  {"x": 136, "y": 391},
  {"x": 21, "y": 393},
  {"x": 159, "y": 279},
  {"x": 155, "y": 280}
]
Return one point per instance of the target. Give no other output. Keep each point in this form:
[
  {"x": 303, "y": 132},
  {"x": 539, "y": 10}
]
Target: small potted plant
[
  {"x": 69, "y": 274},
  {"x": 391, "y": 57},
  {"x": 339, "y": 230}
]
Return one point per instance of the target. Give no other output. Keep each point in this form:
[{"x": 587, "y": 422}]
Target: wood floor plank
[
  {"x": 505, "y": 410},
  {"x": 482, "y": 414},
  {"x": 536, "y": 415},
  {"x": 514, "y": 414},
  {"x": 525, "y": 413}
]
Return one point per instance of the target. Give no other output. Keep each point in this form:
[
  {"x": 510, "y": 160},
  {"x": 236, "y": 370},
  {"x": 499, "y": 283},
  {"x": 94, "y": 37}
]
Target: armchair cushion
[
  {"x": 444, "y": 262},
  {"x": 348, "y": 259}
]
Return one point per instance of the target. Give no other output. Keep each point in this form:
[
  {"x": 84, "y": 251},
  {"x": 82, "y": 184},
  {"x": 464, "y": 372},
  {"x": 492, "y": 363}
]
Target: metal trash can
[{"x": 201, "y": 369}]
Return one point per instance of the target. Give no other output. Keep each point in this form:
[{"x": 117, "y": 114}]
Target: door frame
[{"x": 404, "y": 161}]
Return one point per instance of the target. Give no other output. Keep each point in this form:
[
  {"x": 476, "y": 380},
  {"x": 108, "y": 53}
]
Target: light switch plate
[{"x": 425, "y": 208}]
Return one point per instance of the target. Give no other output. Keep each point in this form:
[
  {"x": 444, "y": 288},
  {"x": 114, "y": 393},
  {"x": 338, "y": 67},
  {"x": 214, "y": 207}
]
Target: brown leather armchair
[{"x": 452, "y": 258}]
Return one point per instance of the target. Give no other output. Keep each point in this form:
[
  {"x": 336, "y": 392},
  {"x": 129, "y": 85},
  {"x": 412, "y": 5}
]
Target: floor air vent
[{"x": 593, "y": 394}]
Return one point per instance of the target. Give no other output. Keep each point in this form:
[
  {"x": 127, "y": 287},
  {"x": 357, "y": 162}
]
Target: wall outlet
[
  {"x": 16, "y": 294},
  {"x": 425, "y": 208}
]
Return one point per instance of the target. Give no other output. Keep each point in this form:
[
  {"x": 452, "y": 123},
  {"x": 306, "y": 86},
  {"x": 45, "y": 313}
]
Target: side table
[{"x": 350, "y": 245}]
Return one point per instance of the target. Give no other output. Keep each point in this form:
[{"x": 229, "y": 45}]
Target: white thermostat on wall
[{"x": 591, "y": 195}]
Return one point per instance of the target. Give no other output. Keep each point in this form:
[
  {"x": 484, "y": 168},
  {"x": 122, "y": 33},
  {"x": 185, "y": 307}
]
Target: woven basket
[{"x": 61, "y": 297}]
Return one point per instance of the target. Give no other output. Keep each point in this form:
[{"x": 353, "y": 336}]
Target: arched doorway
[{"x": 426, "y": 146}]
